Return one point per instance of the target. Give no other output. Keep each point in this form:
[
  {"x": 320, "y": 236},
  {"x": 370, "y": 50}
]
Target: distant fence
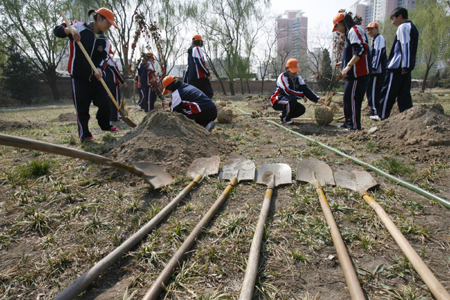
[{"x": 65, "y": 90}]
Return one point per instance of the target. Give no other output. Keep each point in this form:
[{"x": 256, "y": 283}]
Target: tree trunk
[
  {"x": 262, "y": 85},
  {"x": 232, "y": 92},
  {"x": 248, "y": 86},
  {"x": 50, "y": 75},
  {"x": 424, "y": 82},
  {"x": 217, "y": 75},
  {"x": 242, "y": 85}
]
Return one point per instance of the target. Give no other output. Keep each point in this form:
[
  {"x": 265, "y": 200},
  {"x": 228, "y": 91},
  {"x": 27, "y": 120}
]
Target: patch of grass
[
  {"x": 394, "y": 166},
  {"x": 298, "y": 256},
  {"x": 35, "y": 168}
]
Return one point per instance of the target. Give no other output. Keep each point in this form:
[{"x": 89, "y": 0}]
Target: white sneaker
[
  {"x": 210, "y": 126},
  {"x": 288, "y": 122},
  {"x": 375, "y": 118}
]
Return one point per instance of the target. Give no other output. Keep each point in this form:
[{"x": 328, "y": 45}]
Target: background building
[
  {"x": 292, "y": 34},
  {"x": 378, "y": 10}
]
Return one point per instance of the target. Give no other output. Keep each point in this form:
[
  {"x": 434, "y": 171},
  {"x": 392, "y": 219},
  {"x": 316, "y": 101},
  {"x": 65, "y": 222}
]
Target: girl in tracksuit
[
  {"x": 85, "y": 82},
  {"x": 113, "y": 80},
  {"x": 197, "y": 74},
  {"x": 146, "y": 72},
  {"x": 290, "y": 87},
  {"x": 191, "y": 102},
  {"x": 356, "y": 66}
]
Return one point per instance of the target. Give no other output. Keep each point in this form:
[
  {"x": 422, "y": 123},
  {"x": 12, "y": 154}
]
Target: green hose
[{"x": 376, "y": 170}]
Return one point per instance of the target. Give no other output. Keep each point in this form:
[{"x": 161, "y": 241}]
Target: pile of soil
[
  {"x": 170, "y": 140},
  {"x": 423, "y": 97},
  {"x": 66, "y": 117},
  {"x": 13, "y": 125},
  {"x": 258, "y": 102},
  {"x": 423, "y": 130}
]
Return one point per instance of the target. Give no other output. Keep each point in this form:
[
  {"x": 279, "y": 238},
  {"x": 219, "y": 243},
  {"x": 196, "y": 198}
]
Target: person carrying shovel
[
  {"x": 191, "y": 102},
  {"x": 290, "y": 87},
  {"x": 85, "y": 82}
]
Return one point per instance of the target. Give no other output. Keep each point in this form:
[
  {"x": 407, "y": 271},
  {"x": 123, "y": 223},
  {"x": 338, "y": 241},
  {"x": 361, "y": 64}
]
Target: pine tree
[
  {"x": 326, "y": 71},
  {"x": 19, "y": 77}
]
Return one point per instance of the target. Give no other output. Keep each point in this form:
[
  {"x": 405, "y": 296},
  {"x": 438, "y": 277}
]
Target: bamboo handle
[
  {"x": 79, "y": 285},
  {"x": 19, "y": 142},
  {"x": 178, "y": 257},
  {"x": 354, "y": 287},
  {"x": 252, "y": 266},
  {"x": 92, "y": 64},
  {"x": 427, "y": 276}
]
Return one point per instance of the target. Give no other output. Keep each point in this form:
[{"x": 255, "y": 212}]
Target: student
[
  {"x": 146, "y": 73},
  {"x": 356, "y": 66},
  {"x": 379, "y": 58},
  {"x": 191, "y": 102},
  {"x": 197, "y": 74},
  {"x": 290, "y": 87},
  {"x": 139, "y": 89},
  {"x": 401, "y": 62},
  {"x": 85, "y": 82},
  {"x": 113, "y": 79}
]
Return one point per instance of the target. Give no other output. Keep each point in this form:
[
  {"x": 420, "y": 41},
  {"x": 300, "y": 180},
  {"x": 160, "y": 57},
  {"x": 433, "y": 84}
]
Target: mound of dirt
[
  {"x": 66, "y": 117},
  {"x": 423, "y": 130},
  {"x": 258, "y": 102},
  {"x": 170, "y": 140},
  {"x": 13, "y": 125},
  {"x": 423, "y": 97}
]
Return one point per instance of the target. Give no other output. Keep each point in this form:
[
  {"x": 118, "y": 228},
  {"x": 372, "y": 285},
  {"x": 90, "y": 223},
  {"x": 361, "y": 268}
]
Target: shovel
[
  {"x": 199, "y": 167},
  {"x": 318, "y": 174},
  {"x": 236, "y": 169},
  {"x": 272, "y": 175},
  {"x": 154, "y": 174},
  {"x": 361, "y": 182},
  {"x": 123, "y": 112}
]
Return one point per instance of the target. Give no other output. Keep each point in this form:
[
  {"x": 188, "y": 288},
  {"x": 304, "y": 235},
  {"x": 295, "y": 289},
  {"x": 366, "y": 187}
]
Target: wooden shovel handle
[
  {"x": 19, "y": 142},
  {"x": 427, "y": 276},
  {"x": 179, "y": 256},
  {"x": 253, "y": 260},
  {"x": 92, "y": 64},
  {"x": 354, "y": 287},
  {"x": 79, "y": 285}
]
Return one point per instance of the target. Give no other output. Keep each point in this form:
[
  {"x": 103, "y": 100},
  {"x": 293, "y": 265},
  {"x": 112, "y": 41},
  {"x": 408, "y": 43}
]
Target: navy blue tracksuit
[
  {"x": 194, "y": 104},
  {"x": 85, "y": 87},
  {"x": 357, "y": 79},
  {"x": 197, "y": 73},
  {"x": 287, "y": 91},
  {"x": 113, "y": 79},
  {"x": 146, "y": 70},
  {"x": 376, "y": 80},
  {"x": 401, "y": 59}
]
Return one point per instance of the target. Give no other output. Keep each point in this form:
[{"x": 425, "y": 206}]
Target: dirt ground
[{"x": 55, "y": 226}]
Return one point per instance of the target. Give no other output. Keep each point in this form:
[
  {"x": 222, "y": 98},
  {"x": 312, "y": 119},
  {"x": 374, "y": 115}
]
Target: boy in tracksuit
[
  {"x": 113, "y": 79},
  {"x": 86, "y": 86},
  {"x": 379, "y": 59},
  {"x": 401, "y": 62},
  {"x": 146, "y": 73},
  {"x": 197, "y": 74},
  {"x": 191, "y": 102},
  {"x": 290, "y": 87}
]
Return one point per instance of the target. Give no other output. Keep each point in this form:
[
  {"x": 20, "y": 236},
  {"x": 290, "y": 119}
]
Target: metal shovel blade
[
  {"x": 241, "y": 168},
  {"x": 358, "y": 181},
  {"x": 204, "y": 166},
  {"x": 281, "y": 172},
  {"x": 312, "y": 170},
  {"x": 156, "y": 175}
]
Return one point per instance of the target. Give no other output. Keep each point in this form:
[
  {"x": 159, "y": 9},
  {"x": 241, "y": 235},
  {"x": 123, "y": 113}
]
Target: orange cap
[
  {"x": 197, "y": 37},
  {"x": 339, "y": 17},
  {"x": 166, "y": 81},
  {"x": 108, "y": 14},
  {"x": 292, "y": 64},
  {"x": 373, "y": 25}
]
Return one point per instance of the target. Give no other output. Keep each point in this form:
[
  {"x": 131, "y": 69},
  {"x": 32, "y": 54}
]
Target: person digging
[
  {"x": 290, "y": 87},
  {"x": 191, "y": 102}
]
